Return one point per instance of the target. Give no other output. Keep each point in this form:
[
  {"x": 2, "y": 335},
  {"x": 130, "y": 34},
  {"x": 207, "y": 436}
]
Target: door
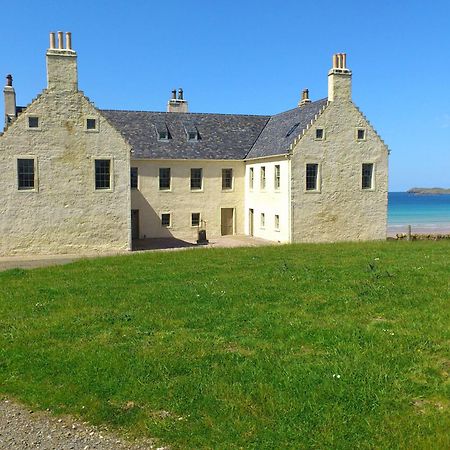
[
  {"x": 227, "y": 221},
  {"x": 135, "y": 224},
  {"x": 250, "y": 222}
]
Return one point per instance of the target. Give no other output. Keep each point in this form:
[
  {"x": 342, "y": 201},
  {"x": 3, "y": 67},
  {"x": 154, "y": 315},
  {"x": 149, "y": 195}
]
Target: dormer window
[
  {"x": 192, "y": 133},
  {"x": 292, "y": 129},
  {"x": 163, "y": 132}
]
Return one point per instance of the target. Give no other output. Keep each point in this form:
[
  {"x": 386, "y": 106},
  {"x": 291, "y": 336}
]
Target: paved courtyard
[{"x": 141, "y": 245}]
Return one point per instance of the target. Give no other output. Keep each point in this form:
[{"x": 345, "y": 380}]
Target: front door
[
  {"x": 227, "y": 221},
  {"x": 135, "y": 224},
  {"x": 250, "y": 222}
]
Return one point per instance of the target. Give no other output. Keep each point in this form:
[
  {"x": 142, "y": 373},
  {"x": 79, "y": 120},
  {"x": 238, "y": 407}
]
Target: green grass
[{"x": 302, "y": 346}]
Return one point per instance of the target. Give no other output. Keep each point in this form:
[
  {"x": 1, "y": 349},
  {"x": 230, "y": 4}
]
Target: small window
[
  {"x": 367, "y": 176},
  {"x": 227, "y": 179},
  {"x": 134, "y": 177},
  {"x": 91, "y": 124},
  {"x": 251, "y": 178},
  {"x": 312, "y": 172},
  {"x": 164, "y": 179},
  {"x": 163, "y": 132},
  {"x": 102, "y": 174},
  {"x": 361, "y": 134},
  {"x": 277, "y": 177},
  {"x": 195, "y": 219},
  {"x": 166, "y": 220},
  {"x": 277, "y": 222},
  {"x": 25, "y": 174},
  {"x": 262, "y": 180},
  {"x": 263, "y": 220},
  {"x": 196, "y": 179},
  {"x": 33, "y": 122},
  {"x": 319, "y": 134},
  {"x": 192, "y": 135}
]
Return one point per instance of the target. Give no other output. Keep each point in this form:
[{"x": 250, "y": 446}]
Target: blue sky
[{"x": 254, "y": 57}]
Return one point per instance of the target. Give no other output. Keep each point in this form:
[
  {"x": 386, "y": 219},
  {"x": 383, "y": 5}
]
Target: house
[{"x": 76, "y": 178}]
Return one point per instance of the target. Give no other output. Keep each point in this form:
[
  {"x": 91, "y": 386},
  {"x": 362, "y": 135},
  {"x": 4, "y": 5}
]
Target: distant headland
[{"x": 428, "y": 191}]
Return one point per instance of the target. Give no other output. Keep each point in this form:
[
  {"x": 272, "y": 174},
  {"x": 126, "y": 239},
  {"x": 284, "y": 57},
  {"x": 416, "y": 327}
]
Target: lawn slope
[{"x": 299, "y": 346}]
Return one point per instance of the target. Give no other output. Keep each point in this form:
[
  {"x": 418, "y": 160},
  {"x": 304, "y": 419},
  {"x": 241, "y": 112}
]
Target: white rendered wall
[
  {"x": 269, "y": 201},
  {"x": 181, "y": 202}
]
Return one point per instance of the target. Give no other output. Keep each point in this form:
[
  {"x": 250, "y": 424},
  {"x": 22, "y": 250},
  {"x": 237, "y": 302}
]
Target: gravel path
[{"x": 21, "y": 428}]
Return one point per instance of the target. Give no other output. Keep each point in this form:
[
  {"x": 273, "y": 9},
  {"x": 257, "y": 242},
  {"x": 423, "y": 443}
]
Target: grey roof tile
[
  {"x": 220, "y": 136},
  {"x": 283, "y": 128}
]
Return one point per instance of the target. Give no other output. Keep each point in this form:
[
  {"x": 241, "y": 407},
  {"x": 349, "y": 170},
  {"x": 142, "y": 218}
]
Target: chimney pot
[
  {"x": 60, "y": 40},
  {"x": 180, "y": 94},
  {"x": 174, "y": 94},
  {"x": 52, "y": 40},
  {"x": 68, "y": 40},
  {"x": 9, "y": 80}
]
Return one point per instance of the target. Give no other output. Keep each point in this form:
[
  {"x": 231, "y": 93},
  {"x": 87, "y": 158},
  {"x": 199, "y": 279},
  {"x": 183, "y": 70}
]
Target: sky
[{"x": 254, "y": 57}]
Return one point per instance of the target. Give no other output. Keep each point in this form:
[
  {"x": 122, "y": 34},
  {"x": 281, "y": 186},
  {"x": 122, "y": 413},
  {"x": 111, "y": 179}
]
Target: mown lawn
[{"x": 302, "y": 346}]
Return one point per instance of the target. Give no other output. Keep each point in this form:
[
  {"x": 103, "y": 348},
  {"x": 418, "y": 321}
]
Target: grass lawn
[{"x": 300, "y": 346}]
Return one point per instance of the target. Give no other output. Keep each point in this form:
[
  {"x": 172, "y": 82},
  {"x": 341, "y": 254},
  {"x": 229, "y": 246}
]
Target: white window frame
[
  {"x": 39, "y": 127},
  {"x": 365, "y": 134},
  {"x": 97, "y": 124},
  {"x": 262, "y": 179},
  {"x": 318, "y": 189},
  {"x": 199, "y": 219},
  {"x": 170, "y": 219},
  {"x": 160, "y": 189},
  {"x": 276, "y": 222},
  {"x": 277, "y": 179},
  {"x": 372, "y": 188},
  {"x": 36, "y": 174},
  {"x": 111, "y": 173},
  {"x": 201, "y": 180},
  {"x": 251, "y": 178},
  {"x": 228, "y": 189},
  {"x": 323, "y": 134},
  {"x": 262, "y": 221}
]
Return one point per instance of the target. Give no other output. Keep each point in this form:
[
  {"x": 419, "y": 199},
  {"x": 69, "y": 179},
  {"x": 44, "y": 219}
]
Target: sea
[{"x": 425, "y": 213}]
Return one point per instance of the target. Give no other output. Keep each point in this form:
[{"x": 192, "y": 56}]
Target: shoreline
[{"x": 393, "y": 230}]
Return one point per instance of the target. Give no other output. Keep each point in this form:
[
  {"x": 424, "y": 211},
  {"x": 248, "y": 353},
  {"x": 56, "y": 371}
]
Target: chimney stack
[
  {"x": 177, "y": 104},
  {"x": 339, "y": 79},
  {"x": 305, "y": 98},
  {"x": 10, "y": 101},
  {"x": 62, "y": 73}
]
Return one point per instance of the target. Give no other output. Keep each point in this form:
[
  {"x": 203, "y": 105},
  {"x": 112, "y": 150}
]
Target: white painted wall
[{"x": 269, "y": 201}]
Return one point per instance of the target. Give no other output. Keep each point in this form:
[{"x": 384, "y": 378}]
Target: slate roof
[
  {"x": 281, "y": 130},
  {"x": 220, "y": 136}
]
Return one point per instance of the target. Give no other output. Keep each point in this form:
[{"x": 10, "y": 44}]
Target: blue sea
[{"x": 425, "y": 213}]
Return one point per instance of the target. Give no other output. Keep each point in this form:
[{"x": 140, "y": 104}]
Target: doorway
[
  {"x": 227, "y": 221},
  {"x": 134, "y": 224},
  {"x": 250, "y": 222}
]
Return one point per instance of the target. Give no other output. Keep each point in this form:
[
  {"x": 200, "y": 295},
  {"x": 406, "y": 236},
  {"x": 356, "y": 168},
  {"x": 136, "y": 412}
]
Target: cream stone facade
[{"x": 76, "y": 178}]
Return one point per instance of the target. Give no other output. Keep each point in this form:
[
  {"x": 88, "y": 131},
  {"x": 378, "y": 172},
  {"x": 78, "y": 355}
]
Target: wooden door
[
  {"x": 227, "y": 221},
  {"x": 135, "y": 224}
]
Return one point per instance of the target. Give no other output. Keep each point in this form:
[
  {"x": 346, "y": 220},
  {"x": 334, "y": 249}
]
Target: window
[
  {"x": 367, "y": 176},
  {"x": 262, "y": 180},
  {"x": 361, "y": 134},
  {"x": 195, "y": 219},
  {"x": 134, "y": 177},
  {"x": 292, "y": 129},
  {"x": 263, "y": 220},
  {"x": 251, "y": 178},
  {"x": 319, "y": 134},
  {"x": 33, "y": 122},
  {"x": 192, "y": 135},
  {"x": 192, "y": 132},
  {"x": 164, "y": 179},
  {"x": 163, "y": 132},
  {"x": 312, "y": 172},
  {"x": 91, "y": 124},
  {"x": 102, "y": 174},
  {"x": 165, "y": 220},
  {"x": 277, "y": 177},
  {"x": 196, "y": 179},
  {"x": 227, "y": 179},
  {"x": 277, "y": 222},
  {"x": 25, "y": 174}
]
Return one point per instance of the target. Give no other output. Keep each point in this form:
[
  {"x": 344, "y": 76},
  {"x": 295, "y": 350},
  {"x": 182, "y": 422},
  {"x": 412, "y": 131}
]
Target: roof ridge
[{"x": 186, "y": 114}]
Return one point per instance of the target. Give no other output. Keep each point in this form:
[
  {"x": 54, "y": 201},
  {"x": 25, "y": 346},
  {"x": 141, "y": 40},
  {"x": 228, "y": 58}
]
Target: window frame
[
  {"x": 262, "y": 221},
  {"x": 166, "y": 213},
  {"x": 111, "y": 173},
  {"x": 199, "y": 219},
  {"x": 134, "y": 186},
  {"x": 364, "y": 130},
  {"x": 164, "y": 189},
  {"x": 262, "y": 178},
  {"x": 97, "y": 124},
  {"x": 372, "y": 177},
  {"x": 277, "y": 177},
  {"x": 276, "y": 222},
  {"x": 231, "y": 179},
  {"x": 35, "y": 187},
  {"x": 196, "y": 189},
  {"x": 38, "y": 118},
  {"x": 317, "y": 188},
  {"x": 319, "y": 138},
  {"x": 251, "y": 178}
]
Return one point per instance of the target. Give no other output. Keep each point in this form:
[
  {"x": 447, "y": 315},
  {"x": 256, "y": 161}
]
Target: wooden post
[{"x": 409, "y": 232}]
